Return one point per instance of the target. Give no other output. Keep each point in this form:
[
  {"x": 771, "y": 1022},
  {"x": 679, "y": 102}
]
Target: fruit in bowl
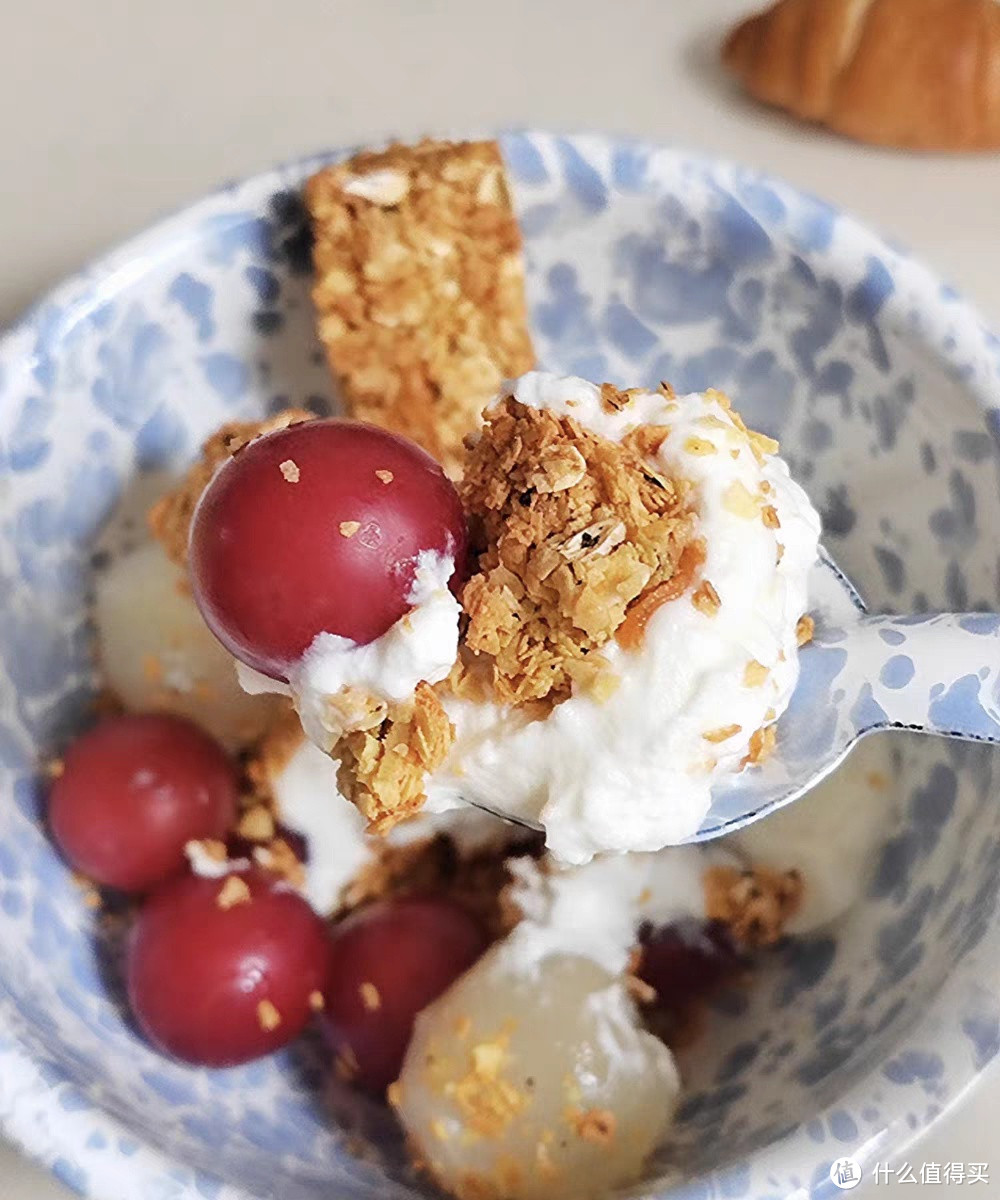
[{"x": 879, "y": 893}]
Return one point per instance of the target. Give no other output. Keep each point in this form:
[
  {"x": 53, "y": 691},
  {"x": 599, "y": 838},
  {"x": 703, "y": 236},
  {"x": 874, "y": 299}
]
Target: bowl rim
[{"x": 36, "y": 1119}]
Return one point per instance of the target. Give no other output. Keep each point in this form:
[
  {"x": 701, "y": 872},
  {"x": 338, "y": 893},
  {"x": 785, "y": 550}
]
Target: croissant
[{"x": 923, "y": 74}]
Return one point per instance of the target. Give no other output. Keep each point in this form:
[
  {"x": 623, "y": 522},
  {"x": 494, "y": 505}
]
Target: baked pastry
[
  {"x": 923, "y": 74},
  {"x": 420, "y": 287}
]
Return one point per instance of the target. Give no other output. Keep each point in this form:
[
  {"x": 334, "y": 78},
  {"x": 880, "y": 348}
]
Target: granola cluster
[
  {"x": 382, "y": 768},
  {"x": 755, "y": 904},
  {"x": 170, "y": 517},
  {"x": 420, "y": 287},
  {"x": 573, "y": 530}
]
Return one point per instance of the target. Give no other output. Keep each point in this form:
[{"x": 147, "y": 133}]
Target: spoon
[{"x": 936, "y": 673}]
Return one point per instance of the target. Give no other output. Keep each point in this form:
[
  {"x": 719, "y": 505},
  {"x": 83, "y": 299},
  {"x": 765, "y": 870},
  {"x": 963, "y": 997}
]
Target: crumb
[
  {"x": 420, "y": 287},
  {"x": 706, "y": 599},
  {"x": 486, "y": 1098},
  {"x": 370, "y": 997},
  {"x": 385, "y": 476},
  {"x": 573, "y": 530},
  {"x": 755, "y": 904},
  {"x": 463, "y": 1026},
  {"x": 268, "y": 1016},
  {"x": 740, "y": 502},
  {"x": 214, "y": 849},
  {"x": 394, "y": 1094},
  {"x": 762, "y": 743},
  {"x": 280, "y": 859},
  {"x": 346, "y": 1064},
  {"x": 722, "y": 734},
  {"x": 170, "y": 518},
  {"x": 317, "y": 1001},
  {"x": 754, "y": 674},
  {"x": 596, "y": 1125},
  {"x": 234, "y": 891},
  {"x": 54, "y": 768},
  {"x": 290, "y": 469},
  {"x": 256, "y": 824},
  {"x": 349, "y": 528},
  {"x": 804, "y": 630}
]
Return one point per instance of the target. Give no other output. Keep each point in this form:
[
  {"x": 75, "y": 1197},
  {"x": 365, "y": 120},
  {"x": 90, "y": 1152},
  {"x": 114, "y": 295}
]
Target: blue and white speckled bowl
[{"x": 643, "y": 264}]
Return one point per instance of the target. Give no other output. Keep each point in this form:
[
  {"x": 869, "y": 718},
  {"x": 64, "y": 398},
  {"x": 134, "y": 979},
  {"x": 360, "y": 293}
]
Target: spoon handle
[{"x": 937, "y": 673}]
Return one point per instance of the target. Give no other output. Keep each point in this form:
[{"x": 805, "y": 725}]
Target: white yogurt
[{"x": 635, "y": 772}]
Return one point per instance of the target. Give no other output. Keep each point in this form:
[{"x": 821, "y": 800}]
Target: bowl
[{"x": 643, "y": 264}]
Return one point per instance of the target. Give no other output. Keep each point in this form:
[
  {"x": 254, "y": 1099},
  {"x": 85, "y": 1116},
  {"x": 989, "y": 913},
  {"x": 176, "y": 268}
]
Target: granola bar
[{"x": 420, "y": 286}]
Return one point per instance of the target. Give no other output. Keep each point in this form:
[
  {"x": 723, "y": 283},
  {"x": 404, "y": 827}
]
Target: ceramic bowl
[{"x": 643, "y": 264}]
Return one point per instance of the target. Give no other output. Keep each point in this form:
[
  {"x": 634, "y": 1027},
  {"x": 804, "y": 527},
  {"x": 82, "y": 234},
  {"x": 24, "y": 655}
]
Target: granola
[
  {"x": 420, "y": 286},
  {"x": 755, "y": 904},
  {"x": 574, "y": 532}
]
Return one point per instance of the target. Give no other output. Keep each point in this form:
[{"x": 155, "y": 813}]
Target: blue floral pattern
[{"x": 643, "y": 264}]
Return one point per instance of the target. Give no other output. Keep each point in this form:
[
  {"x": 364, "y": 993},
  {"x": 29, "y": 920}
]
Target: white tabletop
[{"x": 115, "y": 111}]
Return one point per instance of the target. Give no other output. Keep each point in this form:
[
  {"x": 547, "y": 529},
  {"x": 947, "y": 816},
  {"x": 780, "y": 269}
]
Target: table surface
[{"x": 111, "y": 114}]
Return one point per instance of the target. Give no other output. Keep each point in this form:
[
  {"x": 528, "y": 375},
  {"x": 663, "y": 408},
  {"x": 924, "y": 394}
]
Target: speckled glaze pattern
[{"x": 643, "y": 264}]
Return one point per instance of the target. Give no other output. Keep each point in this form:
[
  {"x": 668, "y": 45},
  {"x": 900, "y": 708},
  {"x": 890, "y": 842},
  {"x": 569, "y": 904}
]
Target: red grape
[
  {"x": 219, "y": 973},
  {"x": 133, "y": 792},
  {"x": 389, "y": 962},
  {"x": 314, "y": 529},
  {"x": 688, "y": 961}
]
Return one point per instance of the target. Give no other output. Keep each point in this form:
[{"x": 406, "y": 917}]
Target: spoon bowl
[{"x": 935, "y": 673}]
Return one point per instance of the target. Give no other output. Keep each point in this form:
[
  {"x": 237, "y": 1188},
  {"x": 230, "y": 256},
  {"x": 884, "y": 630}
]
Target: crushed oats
[
  {"x": 754, "y": 674},
  {"x": 722, "y": 734},
  {"x": 317, "y": 1001},
  {"x": 370, "y": 996},
  {"x": 755, "y": 904},
  {"x": 280, "y": 859},
  {"x": 762, "y": 743},
  {"x": 385, "y": 476},
  {"x": 805, "y": 629},
  {"x": 596, "y": 1125},
  {"x": 349, "y": 528},
  {"x": 257, "y": 824},
  {"x": 170, "y": 518},
  {"x": 234, "y": 891},
  {"x": 573, "y": 530},
  {"x": 290, "y": 470},
  {"x": 769, "y": 515},
  {"x": 268, "y": 1016},
  {"x": 706, "y": 599},
  {"x": 487, "y": 1100},
  {"x": 740, "y": 502},
  {"x": 420, "y": 287}
]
